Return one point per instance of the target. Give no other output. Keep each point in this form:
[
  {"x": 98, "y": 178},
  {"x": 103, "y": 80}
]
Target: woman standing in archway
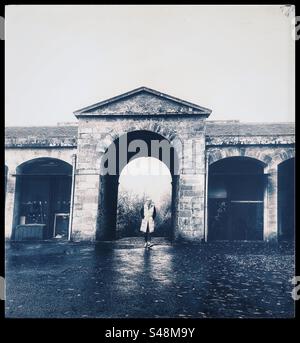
[{"x": 148, "y": 213}]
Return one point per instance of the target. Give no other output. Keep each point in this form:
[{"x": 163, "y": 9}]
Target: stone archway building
[{"x": 198, "y": 143}]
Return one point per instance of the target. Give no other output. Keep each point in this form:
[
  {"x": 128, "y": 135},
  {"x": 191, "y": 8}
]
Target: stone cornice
[
  {"x": 32, "y": 142},
  {"x": 250, "y": 140}
]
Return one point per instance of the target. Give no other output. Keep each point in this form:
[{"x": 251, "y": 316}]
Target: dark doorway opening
[
  {"x": 235, "y": 199},
  {"x": 286, "y": 200},
  {"x": 42, "y": 199}
]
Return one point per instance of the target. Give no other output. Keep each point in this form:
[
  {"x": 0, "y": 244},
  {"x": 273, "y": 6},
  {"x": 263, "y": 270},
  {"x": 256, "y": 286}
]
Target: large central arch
[{"x": 138, "y": 144}]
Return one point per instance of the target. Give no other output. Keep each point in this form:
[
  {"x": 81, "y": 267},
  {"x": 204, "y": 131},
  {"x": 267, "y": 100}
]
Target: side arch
[
  {"x": 236, "y": 199},
  {"x": 40, "y": 160},
  {"x": 216, "y": 155},
  {"x": 42, "y": 199},
  {"x": 280, "y": 156},
  {"x": 286, "y": 199}
]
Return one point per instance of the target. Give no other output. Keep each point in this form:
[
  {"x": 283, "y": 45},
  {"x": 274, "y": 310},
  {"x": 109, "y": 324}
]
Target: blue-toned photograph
[{"x": 150, "y": 161}]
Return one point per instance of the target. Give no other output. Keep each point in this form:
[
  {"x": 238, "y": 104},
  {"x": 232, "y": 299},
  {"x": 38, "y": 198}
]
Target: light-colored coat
[{"x": 148, "y": 219}]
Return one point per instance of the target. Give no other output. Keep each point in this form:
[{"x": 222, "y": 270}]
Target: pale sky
[
  {"x": 146, "y": 175},
  {"x": 236, "y": 60}
]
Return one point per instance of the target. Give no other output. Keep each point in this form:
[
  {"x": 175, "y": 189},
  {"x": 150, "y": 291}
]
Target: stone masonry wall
[{"x": 95, "y": 134}]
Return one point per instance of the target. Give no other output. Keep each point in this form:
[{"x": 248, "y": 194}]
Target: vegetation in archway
[
  {"x": 129, "y": 217},
  {"x": 144, "y": 178}
]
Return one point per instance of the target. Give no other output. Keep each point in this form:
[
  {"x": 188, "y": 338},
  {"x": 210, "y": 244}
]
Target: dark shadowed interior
[
  {"x": 235, "y": 199},
  {"x": 286, "y": 200},
  {"x": 43, "y": 191}
]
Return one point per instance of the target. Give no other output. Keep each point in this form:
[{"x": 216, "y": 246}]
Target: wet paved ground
[{"x": 60, "y": 279}]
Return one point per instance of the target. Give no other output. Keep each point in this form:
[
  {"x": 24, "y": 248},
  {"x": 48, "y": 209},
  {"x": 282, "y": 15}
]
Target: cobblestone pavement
[{"x": 122, "y": 279}]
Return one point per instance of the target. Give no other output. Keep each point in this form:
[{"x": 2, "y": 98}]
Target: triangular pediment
[{"x": 143, "y": 101}]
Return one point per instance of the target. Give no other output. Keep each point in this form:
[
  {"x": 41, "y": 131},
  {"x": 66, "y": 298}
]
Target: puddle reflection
[{"x": 134, "y": 268}]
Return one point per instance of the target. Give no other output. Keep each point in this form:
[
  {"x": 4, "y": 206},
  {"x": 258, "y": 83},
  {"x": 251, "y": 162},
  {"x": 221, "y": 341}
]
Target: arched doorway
[
  {"x": 142, "y": 178},
  {"x": 125, "y": 149},
  {"x": 42, "y": 199},
  {"x": 286, "y": 200},
  {"x": 236, "y": 199}
]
